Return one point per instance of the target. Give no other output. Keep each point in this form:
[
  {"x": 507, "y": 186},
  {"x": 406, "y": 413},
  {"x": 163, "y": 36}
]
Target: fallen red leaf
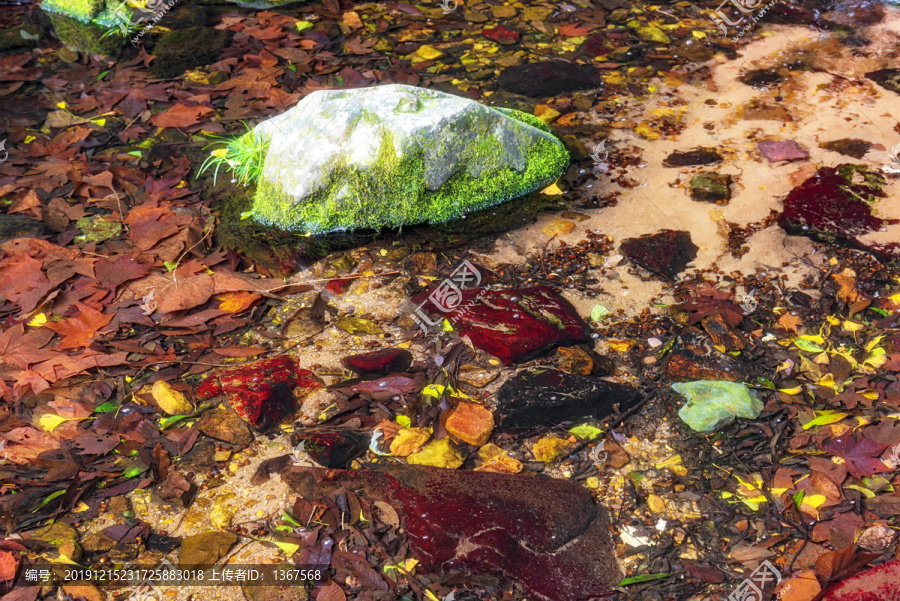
[{"x": 79, "y": 331}]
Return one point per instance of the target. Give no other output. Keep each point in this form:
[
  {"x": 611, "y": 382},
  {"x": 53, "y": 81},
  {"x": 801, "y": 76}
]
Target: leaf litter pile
[{"x": 148, "y": 395}]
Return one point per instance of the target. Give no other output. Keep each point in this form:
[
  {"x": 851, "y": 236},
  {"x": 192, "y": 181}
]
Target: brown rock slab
[
  {"x": 693, "y": 358},
  {"x": 224, "y": 425},
  {"x": 206, "y": 548},
  {"x": 470, "y": 423},
  {"x": 722, "y": 333},
  {"x": 546, "y": 534},
  {"x": 665, "y": 253}
]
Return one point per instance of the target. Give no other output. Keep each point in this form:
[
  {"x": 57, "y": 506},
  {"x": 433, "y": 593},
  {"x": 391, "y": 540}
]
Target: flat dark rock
[
  {"x": 513, "y": 325},
  {"x": 761, "y": 77},
  {"x": 544, "y": 533},
  {"x": 333, "y": 448},
  {"x": 693, "y": 357},
  {"x": 380, "y": 362},
  {"x": 836, "y": 205},
  {"x": 851, "y": 147},
  {"x": 539, "y": 396},
  {"x": 17, "y": 226},
  {"x": 711, "y": 187},
  {"x": 693, "y": 158},
  {"x": 549, "y": 78},
  {"x": 889, "y": 79},
  {"x": 665, "y": 253}
]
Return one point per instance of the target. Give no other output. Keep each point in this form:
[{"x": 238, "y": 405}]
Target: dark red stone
[
  {"x": 549, "y": 78},
  {"x": 379, "y": 363},
  {"x": 333, "y": 448},
  {"x": 514, "y": 325},
  {"x": 545, "y": 533},
  {"x": 502, "y": 35},
  {"x": 665, "y": 253},
  {"x": 878, "y": 584},
  {"x": 539, "y": 396},
  {"x": 264, "y": 392},
  {"x": 836, "y": 205},
  {"x": 889, "y": 79}
]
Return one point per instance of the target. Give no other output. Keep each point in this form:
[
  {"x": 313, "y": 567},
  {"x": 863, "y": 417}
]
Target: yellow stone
[
  {"x": 220, "y": 517},
  {"x": 470, "y": 423},
  {"x": 656, "y": 504},
  {"x": 408, "y": 440},
  {"x": 429, "y": 53},
  {"x": 495, "y": 459},
  {"x": 437, "y": 453},
  {"x": 550, "y": 450}
]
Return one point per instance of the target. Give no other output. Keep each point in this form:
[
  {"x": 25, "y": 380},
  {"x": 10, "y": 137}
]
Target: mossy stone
[
  {"x": 393, "y": 156},
  {"x": 85, "y": 36},
  {"x": 20, "y": 36}
]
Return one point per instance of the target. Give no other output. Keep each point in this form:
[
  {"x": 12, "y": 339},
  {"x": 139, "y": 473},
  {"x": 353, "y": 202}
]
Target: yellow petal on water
[
  {"x": 558, "y": 227},
  {"x": 551, "y": 190}
]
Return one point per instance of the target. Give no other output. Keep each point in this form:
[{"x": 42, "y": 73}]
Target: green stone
[{"x": 711, "y": 187}]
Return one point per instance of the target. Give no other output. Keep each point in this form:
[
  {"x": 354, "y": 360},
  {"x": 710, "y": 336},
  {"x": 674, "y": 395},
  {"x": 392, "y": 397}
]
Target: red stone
[
  {"x": 545, "y": 533},
  {"x": 836, "y": 204},
  {"x": 381, "y": 362},
  {"x": 514, "y": 325},
  {"x": 502, "y": 35},
  {"x": 264, "y": 392},
  {"x": 877, "y": 584}
]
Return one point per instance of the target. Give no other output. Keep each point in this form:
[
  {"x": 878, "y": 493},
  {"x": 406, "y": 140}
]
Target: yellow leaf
[
  {"x": 827, "y": 380},
  {"x": 833, "y": 320},
  {"x": 431, "y": 595},
  {"x": 100, "y": 122},
  {"x": 61, "y": 105},
  {"x": 794, "y": 390},
  {"x": 289, "y": 548},
  {"x": 551, "y": 190},
  {"x": 170, "y": 400},
  {"x": 869, "y": 394},
  {"x": 698, "y": 34},
  {"x": 437, "y": 453},
  {"x": 852, "y": 326},
  {"x": 29, "y": 139},
  {"x": 814, "y": 501},
  {"x": 50, "y": 421},
  {"x": 824, "y": 418},
  {"x": 558, "y": 227},
  {"x": 670, "y": 462},
  {"x": 656, "y": 504},
  {"x": 38, "y": 320}
]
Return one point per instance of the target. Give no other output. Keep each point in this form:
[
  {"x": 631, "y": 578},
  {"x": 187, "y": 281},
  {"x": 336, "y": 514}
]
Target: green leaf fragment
[{"x": 641, "y": 578}]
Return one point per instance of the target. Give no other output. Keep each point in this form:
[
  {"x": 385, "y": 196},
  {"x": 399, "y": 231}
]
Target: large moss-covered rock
[
  {"x": 82, "y": 24},
  {"x": 394, "y": 155}
]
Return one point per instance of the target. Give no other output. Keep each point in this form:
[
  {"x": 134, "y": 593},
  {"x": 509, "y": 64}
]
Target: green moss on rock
[{"x": 393, "y": 156}]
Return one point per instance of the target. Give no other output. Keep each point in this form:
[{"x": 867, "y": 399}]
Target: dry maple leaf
[{"x": 79, "y": 331}]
